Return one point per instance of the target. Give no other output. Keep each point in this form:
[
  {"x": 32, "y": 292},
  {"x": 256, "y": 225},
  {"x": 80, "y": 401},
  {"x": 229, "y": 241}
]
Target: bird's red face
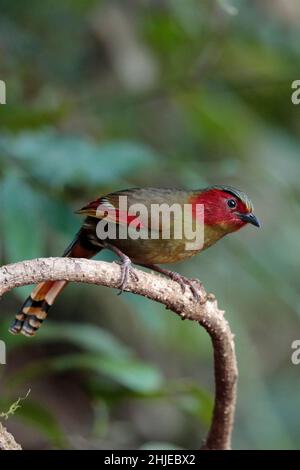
[{"x": 226, "y": 208}]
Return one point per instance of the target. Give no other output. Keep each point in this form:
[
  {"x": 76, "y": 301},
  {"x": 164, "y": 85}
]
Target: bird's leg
[
  {"x": 126, "y": 266},
  {"x": 181, "y": 280}
]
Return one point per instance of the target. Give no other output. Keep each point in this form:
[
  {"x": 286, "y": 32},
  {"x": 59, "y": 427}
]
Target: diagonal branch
[{"x": 164, "y": 291}]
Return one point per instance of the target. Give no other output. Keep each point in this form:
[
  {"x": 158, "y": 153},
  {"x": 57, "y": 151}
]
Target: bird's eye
[{"x": 231, "y": 203}]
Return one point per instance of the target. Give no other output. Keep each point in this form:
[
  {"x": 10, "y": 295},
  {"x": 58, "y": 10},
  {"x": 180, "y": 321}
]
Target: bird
[{"x": 225, "y": 210}]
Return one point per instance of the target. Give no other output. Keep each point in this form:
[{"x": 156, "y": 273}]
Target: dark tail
[{"x": 35, "y": 308}]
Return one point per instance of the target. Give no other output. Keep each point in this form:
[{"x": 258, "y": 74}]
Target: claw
[
  {"x": 126, "y": 271},
  {"x": 184, "y": 282},
  {"x": 181, "y": 280},
  {"x": 126, "y": 266}
]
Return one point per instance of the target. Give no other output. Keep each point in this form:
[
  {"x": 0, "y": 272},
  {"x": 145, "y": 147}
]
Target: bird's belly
[{"x": 155, "y": 251}]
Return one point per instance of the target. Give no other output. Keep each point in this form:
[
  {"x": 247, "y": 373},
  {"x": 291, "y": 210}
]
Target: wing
[{"x": 115, "y": 207}]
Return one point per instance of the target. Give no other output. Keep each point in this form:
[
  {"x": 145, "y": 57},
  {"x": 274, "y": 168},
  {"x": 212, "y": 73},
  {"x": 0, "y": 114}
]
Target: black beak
[{"x": 250, "y": 219}]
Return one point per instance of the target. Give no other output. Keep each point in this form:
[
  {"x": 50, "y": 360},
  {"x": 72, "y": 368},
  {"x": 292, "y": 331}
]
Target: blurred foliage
[{"x": 103, "y": 95}]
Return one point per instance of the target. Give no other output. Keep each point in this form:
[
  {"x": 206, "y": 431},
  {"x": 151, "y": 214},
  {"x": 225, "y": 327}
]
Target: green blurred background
[{"x": 104, "y": 95}]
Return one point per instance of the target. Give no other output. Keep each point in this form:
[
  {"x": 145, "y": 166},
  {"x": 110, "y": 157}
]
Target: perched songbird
[{"x": 226, "y": 210}]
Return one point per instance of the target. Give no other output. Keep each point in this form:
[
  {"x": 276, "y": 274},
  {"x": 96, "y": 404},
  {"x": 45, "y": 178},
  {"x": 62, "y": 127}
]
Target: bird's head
[{"x": 226, "y": 208}]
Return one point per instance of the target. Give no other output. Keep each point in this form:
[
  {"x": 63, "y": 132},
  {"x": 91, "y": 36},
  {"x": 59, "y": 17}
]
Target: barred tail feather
[{"x": 35, "y": 308}]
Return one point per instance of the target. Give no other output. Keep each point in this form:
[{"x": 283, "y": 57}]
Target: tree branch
[
  {"x": 7, "y": 441},
  {"x": 164, "y": 291}
]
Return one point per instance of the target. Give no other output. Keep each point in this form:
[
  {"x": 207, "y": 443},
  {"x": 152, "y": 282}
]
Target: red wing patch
[{"x": 102, "y": 208}]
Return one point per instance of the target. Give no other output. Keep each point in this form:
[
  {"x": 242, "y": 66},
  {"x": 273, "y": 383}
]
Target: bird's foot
[
  {"x": 185, "y": 282},
  {"x": 126, "y": 266},
  {"x": 126, "y": 271}
]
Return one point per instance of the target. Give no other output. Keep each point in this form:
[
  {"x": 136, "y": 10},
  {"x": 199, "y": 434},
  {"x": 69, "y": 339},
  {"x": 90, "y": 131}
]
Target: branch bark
[
  {"x": 7, "y": 440},
  {"x": 162, "y": 290}
]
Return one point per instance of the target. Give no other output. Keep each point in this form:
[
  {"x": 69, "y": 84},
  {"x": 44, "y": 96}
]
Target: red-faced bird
[{"x": 226, "y": 210}]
